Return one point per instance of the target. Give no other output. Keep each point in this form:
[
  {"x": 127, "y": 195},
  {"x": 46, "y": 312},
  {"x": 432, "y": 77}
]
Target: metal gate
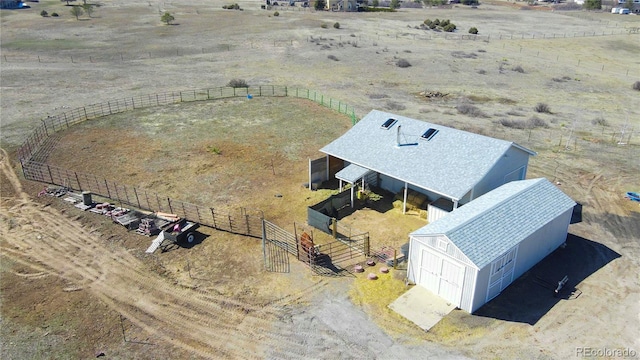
[{"x": 277, "y": 244}]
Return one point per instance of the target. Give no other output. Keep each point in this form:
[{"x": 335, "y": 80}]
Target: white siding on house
[{"x": 510, "y": 164}]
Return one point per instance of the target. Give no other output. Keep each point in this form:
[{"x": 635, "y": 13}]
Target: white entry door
[
  {"x": 502, "y": 273},
  {"x": 440, "y": 275}
]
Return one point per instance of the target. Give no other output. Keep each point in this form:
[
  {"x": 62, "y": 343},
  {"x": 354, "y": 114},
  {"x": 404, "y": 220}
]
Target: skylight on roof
[
  {"x": 429, "y": 134},
  {"x": 389, "y": 123}
]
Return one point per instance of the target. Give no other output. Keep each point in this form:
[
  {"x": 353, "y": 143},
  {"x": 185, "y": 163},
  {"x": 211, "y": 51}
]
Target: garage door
[{"x": 440, "y": 275}]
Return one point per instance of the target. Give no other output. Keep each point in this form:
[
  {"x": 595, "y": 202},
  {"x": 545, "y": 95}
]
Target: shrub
[
  {"x": 444, "y": 23},
  {"x": 542, "y": 108},
  {"x": 333, "y": 57},
  {"x": 636, "y": 85},
  {"x": 536, "y": 122},
  {"x": 238, "y": 83},
  {"x": 55, "y": 14},
  {"x": 482, "y": 71},
  {"x": 378, "y": 96},
  {"x": 276, "y": 14},
  {"x": 514, "y": 124},
  {"x": 231, "y": 7},
  {"x": 449, "y": 28},
  {"x": 473, "y": 31},
  {"x": 463, "y": 55},
  {"x": 403, "y": 63},
  {"x": 393, "y": 105},
  {"x": 324, "y": 26},
  {"x": 562, "y": 79},
  {"x": 428, "y": 22},
  {"x": 600, "y": 121},
  {"x": 436, "y": 22},
  {"x": 593, "y": 4},
  {"x": 470, "y": 110},
  {"x": 336, "y": 25},
  {"x": 519, "y": 69},
  {"x": 44, "y": 13}
]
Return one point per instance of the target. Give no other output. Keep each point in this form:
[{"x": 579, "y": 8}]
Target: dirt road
[{"x": 199, "y": 322}]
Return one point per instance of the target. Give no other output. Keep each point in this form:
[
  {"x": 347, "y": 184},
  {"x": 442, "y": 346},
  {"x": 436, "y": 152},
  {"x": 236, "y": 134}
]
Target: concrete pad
[{"x": 422, "y": 307}]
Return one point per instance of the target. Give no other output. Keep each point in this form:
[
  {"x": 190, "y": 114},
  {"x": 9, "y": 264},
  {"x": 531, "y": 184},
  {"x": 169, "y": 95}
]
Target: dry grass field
[{"x": 74, "y": 285}]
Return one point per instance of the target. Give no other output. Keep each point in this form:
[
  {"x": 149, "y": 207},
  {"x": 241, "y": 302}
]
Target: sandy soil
[{"x": 71, "y": 283}]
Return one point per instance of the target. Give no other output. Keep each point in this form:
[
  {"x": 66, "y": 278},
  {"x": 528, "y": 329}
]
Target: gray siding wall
[
  {"x": 542, "y": 242},
  {"x": 482, "y": 284},
  {"x": 468, "y": 288},
  {"x": 514, "y": 160},
  {"x": 530, "y": 251}
]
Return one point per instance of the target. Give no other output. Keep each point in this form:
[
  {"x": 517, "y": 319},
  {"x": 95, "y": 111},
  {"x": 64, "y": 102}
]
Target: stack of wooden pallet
[{"x": 147, "y": 227}]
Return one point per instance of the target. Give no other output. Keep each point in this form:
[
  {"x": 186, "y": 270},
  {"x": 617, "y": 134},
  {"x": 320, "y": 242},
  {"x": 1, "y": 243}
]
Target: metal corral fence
[
  {"x": 34, "y": 152},
  {"x": 243, "y": 223},
  {"x": 278, "y": 243},
  {"x": 69, "y": 118}
]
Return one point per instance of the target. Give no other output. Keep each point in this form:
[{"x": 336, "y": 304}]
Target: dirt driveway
[{"x": 73, "y": 285}]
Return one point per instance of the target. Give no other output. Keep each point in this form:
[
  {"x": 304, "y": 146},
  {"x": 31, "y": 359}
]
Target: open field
[{"x": 74, "y": 284}]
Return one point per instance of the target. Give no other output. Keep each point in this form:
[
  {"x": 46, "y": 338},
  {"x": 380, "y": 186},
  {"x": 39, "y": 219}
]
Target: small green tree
[
  {"x": 336, "y": 25},
  {"x": 395, "y": 4},
  {"x": 77, "y": 12},
  {"x": 88, "y": 8},
  {"x": 167, "y": 18},
  {"x": 375, "y": 3},
  {"x": 319, "y": 4},
  {"x": 593, "y": 4},
  {"x": 473, "y": 31},
  {"x": 44, "y": 13}
]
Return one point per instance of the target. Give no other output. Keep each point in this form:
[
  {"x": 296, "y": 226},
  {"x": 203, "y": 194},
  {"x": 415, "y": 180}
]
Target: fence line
[
  {"x": 243, "y": 223},
  {"x": 72, "y": 117},
  {"x": 35, "y": 150},
  {"x": 358, "y": 41}
]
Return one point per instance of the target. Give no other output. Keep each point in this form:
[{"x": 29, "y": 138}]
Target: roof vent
[
  {"x": 429, "y": 134},
  {"x": 389, "y": 123}
]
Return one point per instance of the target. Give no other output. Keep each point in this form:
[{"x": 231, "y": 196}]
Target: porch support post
[
  {"x": 404, "y": 203},
  {"x": 455, "y": 204},
  {"x": 327, "y": 167},
  {"x": 340, "y": 185},
  {"x": 352, "y": 186},
  {"x": 310, "y": 186}
]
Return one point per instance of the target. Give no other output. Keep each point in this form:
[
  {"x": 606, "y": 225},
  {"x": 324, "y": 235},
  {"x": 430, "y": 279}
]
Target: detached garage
[{"x": 469, "y": 256}]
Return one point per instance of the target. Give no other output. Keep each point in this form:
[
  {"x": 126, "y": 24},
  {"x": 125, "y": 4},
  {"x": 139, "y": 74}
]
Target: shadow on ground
[{"x": 532, "y": 295}]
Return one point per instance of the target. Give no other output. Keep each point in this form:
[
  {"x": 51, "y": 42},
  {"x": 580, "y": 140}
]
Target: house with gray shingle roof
[
  {"x": 398, "y": 154},
  {"x": 469, "y": 256}
]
